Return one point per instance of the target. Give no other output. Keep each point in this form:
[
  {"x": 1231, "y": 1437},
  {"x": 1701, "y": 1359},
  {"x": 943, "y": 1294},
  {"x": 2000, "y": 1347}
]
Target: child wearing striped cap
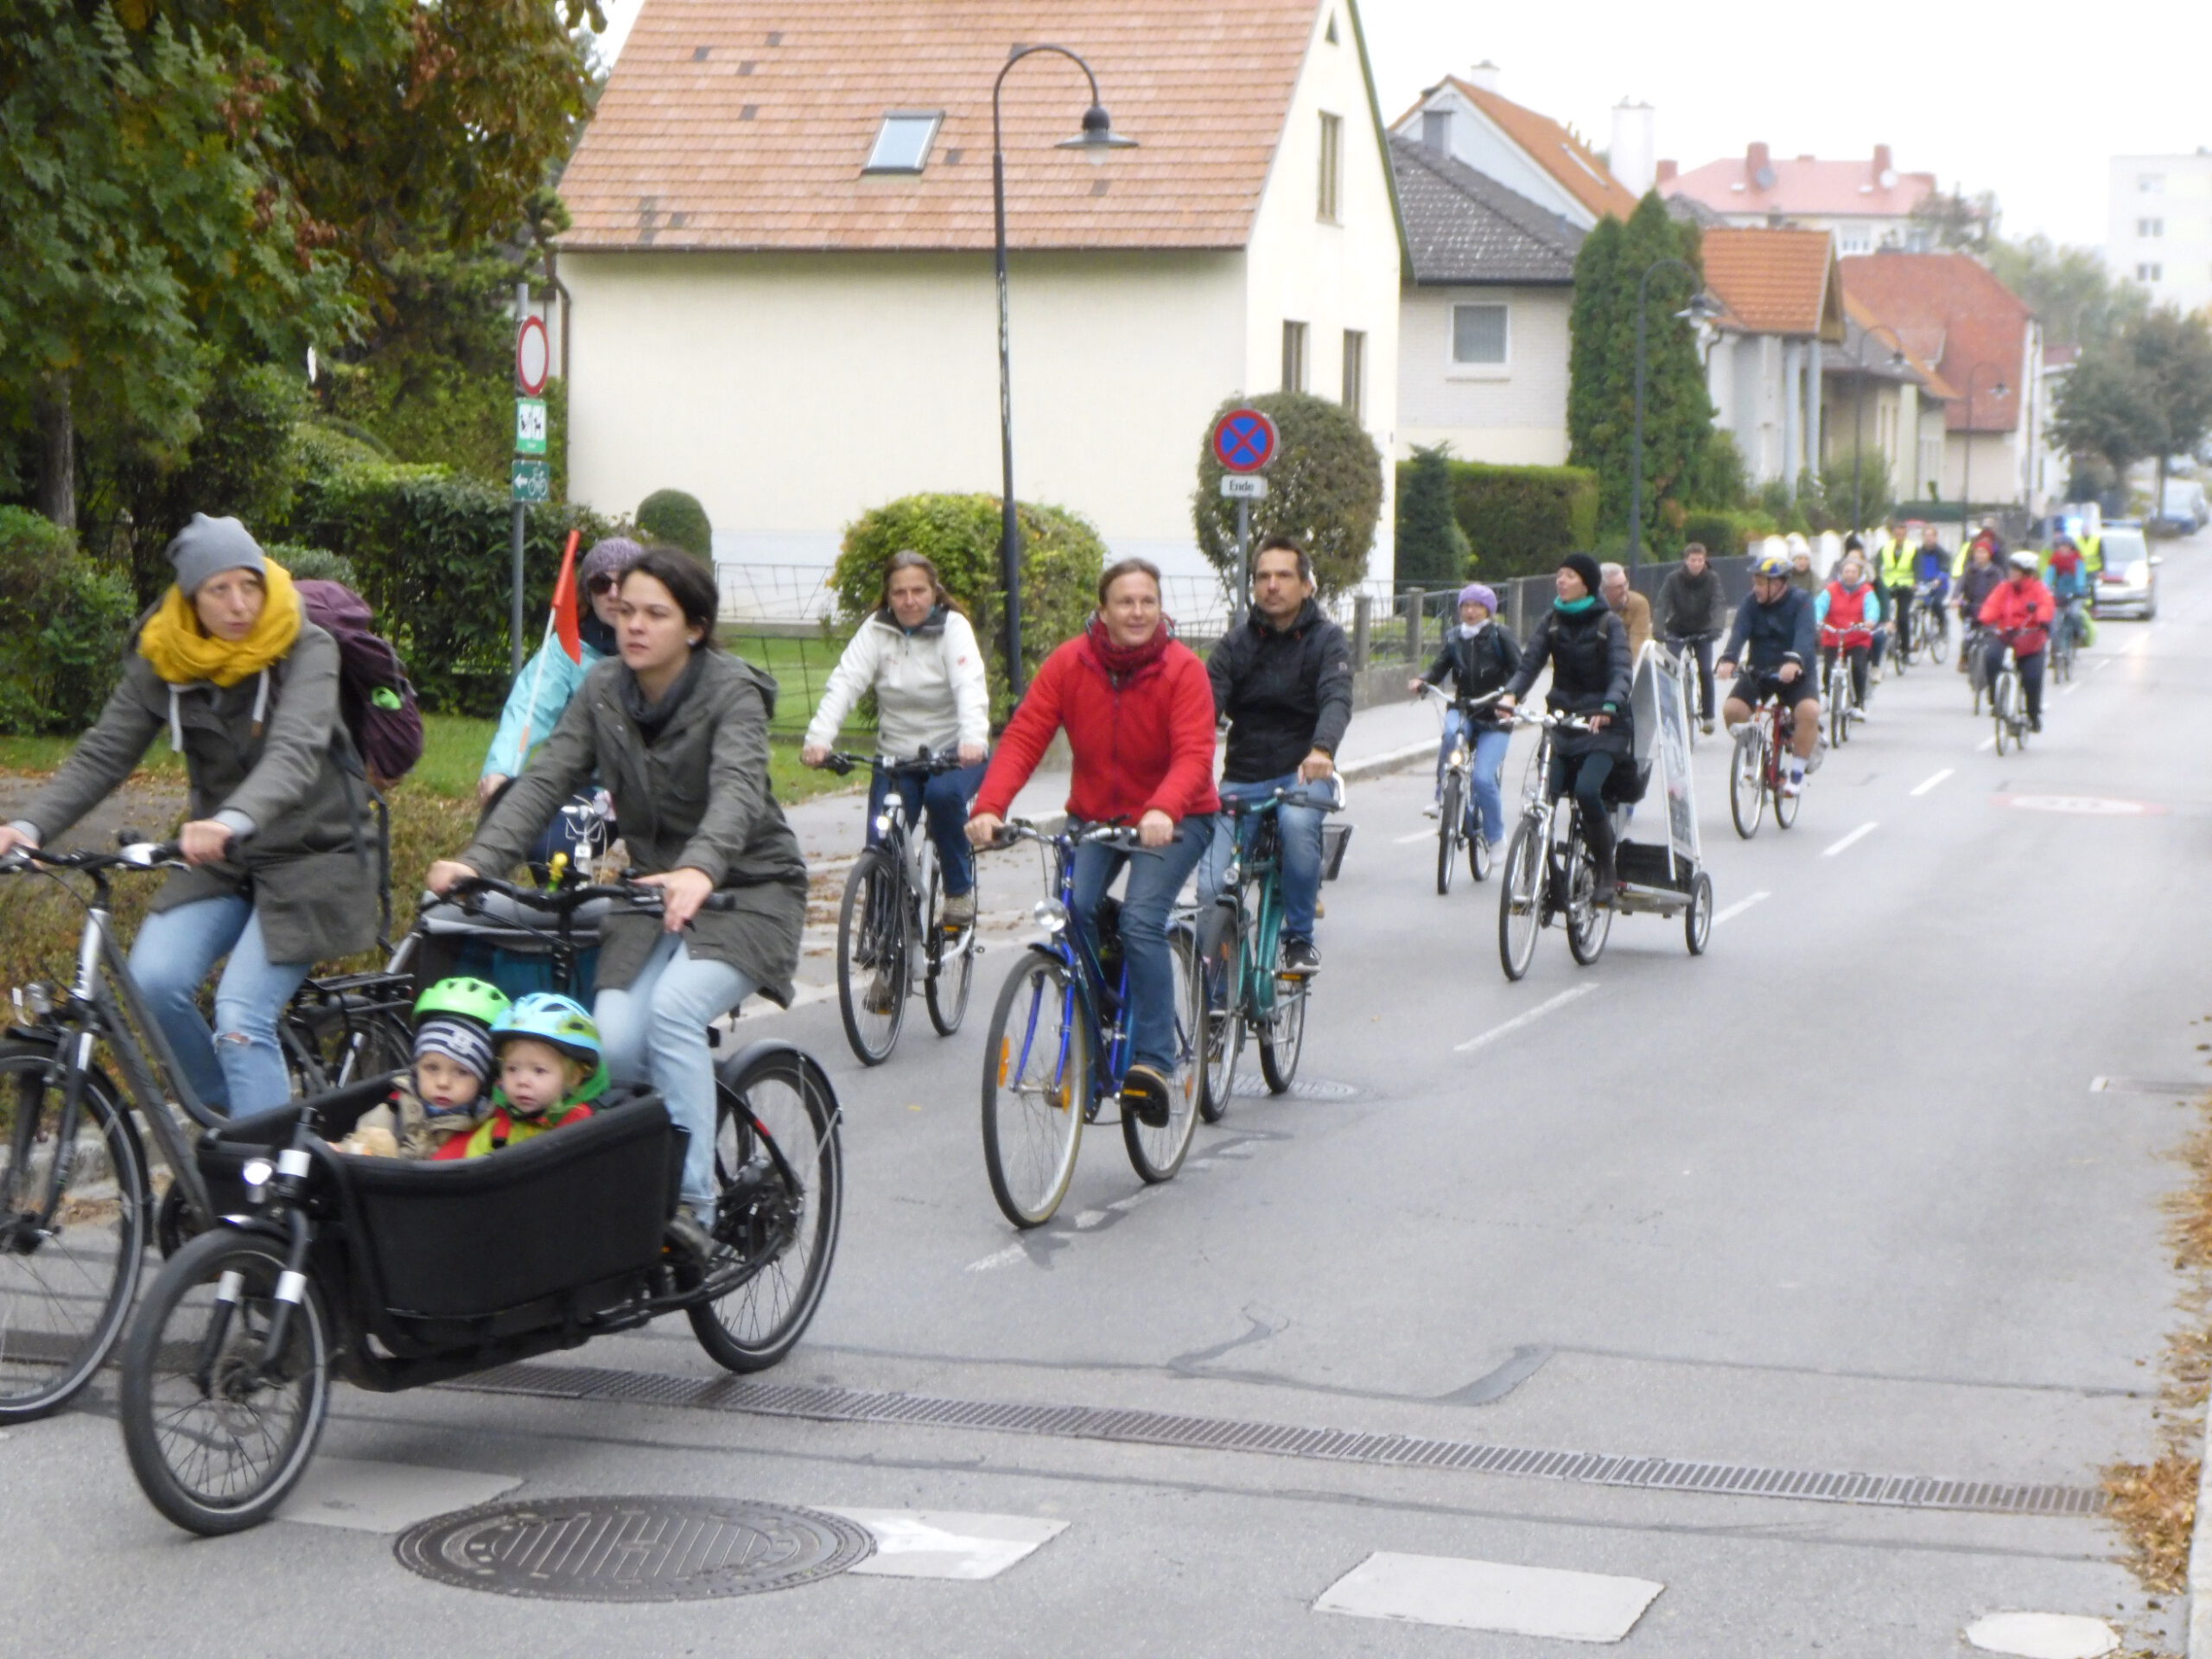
[{"x": 447, "y": 1094}]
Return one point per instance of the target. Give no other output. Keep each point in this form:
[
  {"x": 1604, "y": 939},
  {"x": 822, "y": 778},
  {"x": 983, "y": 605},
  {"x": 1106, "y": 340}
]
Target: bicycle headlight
[
  {"x": 883, "y": 823},
  {"x": 1049, "y": 914},
  {"x": 257, "y": 1172},
  {"x": 38, "y": 998}
]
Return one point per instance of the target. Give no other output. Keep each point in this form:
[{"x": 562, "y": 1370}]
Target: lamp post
[
  {"x": 1701, "y": 305},
  {"x": 1965, "y": 482},
  {"x": 1898, "y": 360},
  {"x": 1098, "y": 140}
]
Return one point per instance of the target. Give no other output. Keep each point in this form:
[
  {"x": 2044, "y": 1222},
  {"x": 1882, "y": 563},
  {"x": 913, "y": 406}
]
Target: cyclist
[
  {"x": 2019, "y": 611},
  {"x": 1282, "y": 680},
  {"x": 1774, "y": 637},
  {"x": 1691, "y": 614},
  {"x": 1931, "y": 570},
  {"x": 1586, "y": 646},
  {"x": 1802, "y": 576},
  {"x": 1138, "y": 711},
  {"x": 1632, "y": 607},
  {"x": 1847, "y": 611},
  {"x": 1480, "y": 655},
  {"x": 1892, "y": 569},
  {"x": 1982, "y": 576},
  {"x": 917, "y": 652},
  {"x": 678, "y": 729},
  {"x": 247, "y": 689},
  {"x": 1984, "y": 537},
  {"x": 2070, "y": 581}
]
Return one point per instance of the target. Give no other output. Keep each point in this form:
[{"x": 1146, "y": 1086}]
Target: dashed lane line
[
  {"x": 1926, "y": 784},
  {"x": 1740, "y": 906},
  {"x": 1985, "y": 745},
  {"x": 1418, "y": 835},
  {"x": 1528, "y": 1019},
  {"x": 1857, "y": 834}
]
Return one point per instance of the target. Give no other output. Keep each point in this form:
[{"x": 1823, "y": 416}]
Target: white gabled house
[{"x": 781, "y": 271}]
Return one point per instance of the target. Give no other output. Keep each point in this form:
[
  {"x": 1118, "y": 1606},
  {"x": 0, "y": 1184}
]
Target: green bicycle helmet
[
  {"x": 550, "y": 1017},
  {"x": 467, "y": 999}
]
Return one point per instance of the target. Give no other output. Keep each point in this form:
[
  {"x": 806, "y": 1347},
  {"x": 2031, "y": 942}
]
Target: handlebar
[
  {"x": 132, "y": 855},
  {"x": 1095, "y": 835},
  {"x": 842, "y": 761},
  {"x": 1553, "y": 722},
  {"x": 1429, "y": 689},
  {"x": 564, "y": 901}
]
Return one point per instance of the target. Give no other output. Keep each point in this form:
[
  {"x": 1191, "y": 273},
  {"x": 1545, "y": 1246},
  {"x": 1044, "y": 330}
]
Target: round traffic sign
[
  {"x": 533, "y": 356},
  {"x": 1244, "y": 441}
]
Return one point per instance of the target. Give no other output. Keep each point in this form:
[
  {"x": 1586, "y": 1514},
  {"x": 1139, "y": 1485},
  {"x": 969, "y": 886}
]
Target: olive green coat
[
  {"x": 311, "y": 858},
  {"x": 699, "y": 798}
]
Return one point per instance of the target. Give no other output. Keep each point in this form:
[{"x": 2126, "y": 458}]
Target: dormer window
[{"x": 904, "y": 141}]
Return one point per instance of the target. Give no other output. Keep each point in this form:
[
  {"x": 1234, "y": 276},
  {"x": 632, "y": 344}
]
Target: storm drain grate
[
  {"x": 1135, "y": 1427},
  {"x": 632, "y": 1549},
  {"x": 1249, "y": 1085}
]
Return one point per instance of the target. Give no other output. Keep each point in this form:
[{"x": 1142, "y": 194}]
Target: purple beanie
[
  {"x": 610, "y": 555},
  {"x": 1475, "y": 593}
]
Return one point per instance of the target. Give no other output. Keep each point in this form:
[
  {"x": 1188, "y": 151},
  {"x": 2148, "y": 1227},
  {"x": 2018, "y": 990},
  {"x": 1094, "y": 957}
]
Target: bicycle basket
[{"x": 1335, "y": 837}]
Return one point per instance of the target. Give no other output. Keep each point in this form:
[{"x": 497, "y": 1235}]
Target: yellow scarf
[{"x": 183, "y": 654}]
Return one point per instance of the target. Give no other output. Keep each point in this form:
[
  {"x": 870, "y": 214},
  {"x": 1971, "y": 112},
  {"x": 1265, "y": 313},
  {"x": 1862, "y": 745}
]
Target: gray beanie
[{"x": 207, "y": 547}]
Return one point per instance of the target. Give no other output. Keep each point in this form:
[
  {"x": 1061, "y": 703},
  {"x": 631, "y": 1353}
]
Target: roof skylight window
[{"x": 904, "y": 142}]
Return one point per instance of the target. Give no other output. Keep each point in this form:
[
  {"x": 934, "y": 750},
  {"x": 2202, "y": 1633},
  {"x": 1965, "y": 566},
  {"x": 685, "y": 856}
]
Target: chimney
[
  {"x": 1483, "y": 75},
  {"x": 1634, "y": 139},
  {"x": 1666, "y": 172},
  {"x": 1881, "y": 162},
  {"x": 1758, "y": 167}
]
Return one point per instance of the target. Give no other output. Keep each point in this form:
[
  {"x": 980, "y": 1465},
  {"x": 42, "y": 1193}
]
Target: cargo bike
[{"x": 318, "y": 1267}]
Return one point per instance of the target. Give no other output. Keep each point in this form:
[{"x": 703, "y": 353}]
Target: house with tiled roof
[
  {"x": 1866, "y": 204},
  {"x": 1883, "y": 398},
  {"x": 780, "y": 257},
  {"x": 1466, "y": 117},
  {"x": 1953, "y": 313},
  {"x": 1483, "y": 335},
  {"x": 1781, "y": 309}
]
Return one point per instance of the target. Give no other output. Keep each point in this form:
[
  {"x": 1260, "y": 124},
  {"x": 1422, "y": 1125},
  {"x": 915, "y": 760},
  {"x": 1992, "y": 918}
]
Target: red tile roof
[
  {"x": 1977, "y": 326},
  {"x": 1553, "y": 147},
  {"x": 1933, "y": 384},
  {"x": 745, "y": 124},
  {"x": 1802, "y": 186},
  {"x": 1775, "y": 282}
]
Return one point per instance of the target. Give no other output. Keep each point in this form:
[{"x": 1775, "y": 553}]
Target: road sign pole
[{"x": 1243, "y": 559}]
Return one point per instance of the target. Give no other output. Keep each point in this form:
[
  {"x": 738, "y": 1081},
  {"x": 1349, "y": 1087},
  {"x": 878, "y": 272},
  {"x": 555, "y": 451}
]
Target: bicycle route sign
[{"x": 1244, "y": 441}]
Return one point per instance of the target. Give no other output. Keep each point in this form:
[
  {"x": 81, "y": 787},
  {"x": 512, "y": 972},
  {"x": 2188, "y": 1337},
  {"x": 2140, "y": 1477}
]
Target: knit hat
[
  {"x": 462, "y": 1041},
  {"x": 610, "y": 555},
  {"x": 1585, "y": 566},
  {"x": 207, "y": 547},
  {"x": 1476, "y": 594}
]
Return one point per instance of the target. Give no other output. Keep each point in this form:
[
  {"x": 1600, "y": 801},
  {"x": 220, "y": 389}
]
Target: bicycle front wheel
[
  {"x": 871, "y": 956},
  {"x": 1157, "y": 1153},
  {"x": 74, "y": 1204},
  {"x": 219, "y": 1431},
  {"x": 1218, "y": 961},
  {"x": 1785, "y": 803},
  {"x": 1937, "y": 637},
  {"x": 952, "y": 963},
  {"x": 1839, "y": 712},
  {"x": 1518, "y": 900},
  {"x": 1747, "y": 781},
  {"x": 1450, "y": 816},
  {"x": 2000, "y": 706},
  {"x": 1283, "y": 1035},
  {"x": 779, "y": 1168},
  {"x": 1036, "y": 1089}
]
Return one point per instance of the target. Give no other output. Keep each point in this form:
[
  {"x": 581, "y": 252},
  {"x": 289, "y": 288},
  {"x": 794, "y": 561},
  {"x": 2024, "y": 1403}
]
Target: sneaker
[
  {"x": 879, "y": 998},
  {"x": 685, "y": 1232},
  {"x": 1146, "y": 1093},
  {"x": 2035, "y": 723},
  {"x": 959, "y": 909},
  {"x": 1432, "y": 810},
  {"x": 1299, "y": 957},
  {"x": 1793, "y": 783},
  {"x": 1706, "y": 726}
]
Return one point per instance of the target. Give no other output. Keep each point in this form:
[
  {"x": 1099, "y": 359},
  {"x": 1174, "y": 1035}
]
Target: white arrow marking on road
[
  {"x": 1739, "y": 907},
  {"x": 1863, "y": 830},
  {"x": 1521, "y": 1020},
  {"x": 1924, "y": 787}
]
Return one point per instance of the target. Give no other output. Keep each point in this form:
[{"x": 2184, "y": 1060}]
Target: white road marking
[
  {"x": 1530, "y": 1018},
  {"x": 1860, "y": 833},
  {"x": 1923, "y": 787},
  {"x": 2102, "y": 664},
  {"x": 1490, "y": 1596},
  {"x": 1985, "y": 745},
  {"x": 2043, "y": 1635},
  {"x": 385, "y": 1497},
  {"x": 1089, "y": 1220},
  {"x": 1418, "y": 835},
  {"x": 1005, "y": 1258},
  {"x": 944, "y": 1544},
  {"x": 1142, "y": 1195},
  {"x": 1739, "y": 907}
]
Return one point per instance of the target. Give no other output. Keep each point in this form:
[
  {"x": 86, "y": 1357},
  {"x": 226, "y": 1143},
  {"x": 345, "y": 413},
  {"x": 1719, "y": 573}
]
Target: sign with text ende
[{"x": 1243, "y": 486}]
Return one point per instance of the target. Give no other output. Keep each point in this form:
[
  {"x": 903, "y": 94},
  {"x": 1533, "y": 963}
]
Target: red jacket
[
  {"x": 1146, "y": 743},
  {"x": 2021, "y": 608}
]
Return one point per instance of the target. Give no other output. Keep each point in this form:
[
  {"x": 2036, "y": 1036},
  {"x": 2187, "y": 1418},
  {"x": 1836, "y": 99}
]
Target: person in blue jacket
[{"x": 1776, "y": 640}]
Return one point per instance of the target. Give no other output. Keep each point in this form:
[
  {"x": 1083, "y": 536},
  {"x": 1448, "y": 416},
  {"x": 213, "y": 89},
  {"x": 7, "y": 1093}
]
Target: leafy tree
[
  {"x": 1601, "y": 387},
  {"x": 1874, "y": 491},
  {"x": 1958, "y": 220},
  {"x": 1324, "y": 486},
  {"x": 2071, "y": 290},
  {"x": 2106, "y": 407},
  {"x": 1433, "y": 550}
]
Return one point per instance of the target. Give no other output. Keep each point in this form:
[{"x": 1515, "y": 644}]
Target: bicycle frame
[
  {"x": 1253, "y": 993},
  {"x": 1069, "y": 943}
]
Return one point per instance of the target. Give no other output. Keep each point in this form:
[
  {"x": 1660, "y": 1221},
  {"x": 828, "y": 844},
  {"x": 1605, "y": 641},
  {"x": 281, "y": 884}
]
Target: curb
[{"x": 2200, "y": 1560}]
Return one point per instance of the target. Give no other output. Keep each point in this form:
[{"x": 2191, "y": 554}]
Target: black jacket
[
  {"x": 1690, "y": 604},
  {"x": 1783, "y": 632},
  {"x": 1285, "y": 692},
  {"x": 1479, "y": 663},
  {"x": 1591, "y": 672},
  {"x": 1975, "y": 584}
]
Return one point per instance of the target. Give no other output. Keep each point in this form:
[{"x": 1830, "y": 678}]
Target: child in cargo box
[
  {"x": 549, "y": 1073},
  {"x": 447, "y": 1094}
]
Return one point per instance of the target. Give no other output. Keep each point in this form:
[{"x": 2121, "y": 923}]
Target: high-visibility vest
[{"x": 1893, "y": 563}]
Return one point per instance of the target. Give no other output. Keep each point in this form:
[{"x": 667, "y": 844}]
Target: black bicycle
[
  {"x": 1549, "y": 874},
  {"x": 890, "y": 927},
  {"x": 1931, "y": 622}
]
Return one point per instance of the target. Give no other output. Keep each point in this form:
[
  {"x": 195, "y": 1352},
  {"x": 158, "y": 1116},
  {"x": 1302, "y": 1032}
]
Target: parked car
[
  {"x": 2186, "y": 510},
  {"x": 2129, "y": 582}
]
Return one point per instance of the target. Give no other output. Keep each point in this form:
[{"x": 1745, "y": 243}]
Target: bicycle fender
[{"x": 728, "y": 1071}]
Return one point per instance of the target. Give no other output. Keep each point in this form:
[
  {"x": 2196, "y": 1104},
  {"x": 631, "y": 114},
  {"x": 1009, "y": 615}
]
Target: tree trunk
[{"x": 57, "y": 454}]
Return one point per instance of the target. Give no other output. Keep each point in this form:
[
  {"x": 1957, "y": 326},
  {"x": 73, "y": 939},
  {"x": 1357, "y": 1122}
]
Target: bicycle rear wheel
[
  {"x": 1479, "y": 856},
  {"x": 779, "y": 1167},
  {"x": 1746, "y": 781},
  {"x": 1519, "y": 916},
  {"x": 2000, "y": 706},
  {"x": 1283, "y": 1034},
  {"x": 1451, "y": 823},
  {"x": 73, "y": 1230},
  {"x": 1157, "y": 1153},
  {"x": 1839, "y": 706},
  {"x": 1218, "y": 960},
  {"x": 217, "y": 1436},
  {"x": 1036, "y": 1089},
  {"x": 1936, "y": 634},
  {"x": 872, "y": 956},
  {"x": 952, "y": 962}
]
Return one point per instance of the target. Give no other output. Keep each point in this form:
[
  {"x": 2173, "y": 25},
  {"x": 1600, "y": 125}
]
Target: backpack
[{"x": 375, "y": 698}]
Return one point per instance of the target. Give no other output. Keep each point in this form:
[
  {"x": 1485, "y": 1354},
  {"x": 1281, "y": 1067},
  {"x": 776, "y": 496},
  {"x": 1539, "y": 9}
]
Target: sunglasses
[{"x": 603, "y": 584}]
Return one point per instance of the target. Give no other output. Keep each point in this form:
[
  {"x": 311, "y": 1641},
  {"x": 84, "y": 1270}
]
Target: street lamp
[
  {"x": 1701, "y": 306},
  {"x": 1898, "y": 360},
  {"x": 1965, "y": 482},
  {"x": 1098, "y": 140}
]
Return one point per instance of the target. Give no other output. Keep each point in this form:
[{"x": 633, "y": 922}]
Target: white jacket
[{"x": 929, "y": 686}]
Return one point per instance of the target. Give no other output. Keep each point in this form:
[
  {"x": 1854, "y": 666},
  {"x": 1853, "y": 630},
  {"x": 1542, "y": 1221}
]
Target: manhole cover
[
  {"x": 1250, "y": 1086},
  {"x": 632, "y": 1549}
]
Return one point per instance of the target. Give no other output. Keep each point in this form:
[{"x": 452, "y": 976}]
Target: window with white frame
[
  {"x": 1854, "y": 239},
  {"x": 2150, "y": 271},
  {"x": 1293, "y": 356},
  {"x": 1355, "y": 398},
  {"x": 1332, "y": 168},
  {"x": 2150, "y": 227},
  {"x": 904, "y": 141},
  {"x": 1480, "y": 336}
]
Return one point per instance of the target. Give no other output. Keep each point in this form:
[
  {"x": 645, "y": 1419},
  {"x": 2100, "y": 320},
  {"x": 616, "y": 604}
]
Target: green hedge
[
  {"x": 63, "y": 623},
  {"x": 1522, "y": 520},
  {"x": 679, "y": 519},
  {"x": 1061, "y": 557}
]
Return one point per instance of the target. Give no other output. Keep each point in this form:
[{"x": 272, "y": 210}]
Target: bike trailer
[{"x": 505, "y": 942}]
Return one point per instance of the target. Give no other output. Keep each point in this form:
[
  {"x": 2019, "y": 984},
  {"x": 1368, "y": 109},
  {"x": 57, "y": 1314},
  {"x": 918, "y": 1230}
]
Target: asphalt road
[{"x": 1837, "y": 1198}]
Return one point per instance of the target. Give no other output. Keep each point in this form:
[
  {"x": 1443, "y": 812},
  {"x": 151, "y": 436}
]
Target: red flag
[{"x": 564, "y": 603}]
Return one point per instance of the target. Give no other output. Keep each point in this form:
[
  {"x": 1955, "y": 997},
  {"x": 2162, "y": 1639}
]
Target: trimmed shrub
[
  {"x": 1523, "y": 520},
  {"x": 1721, "y": 534},
  {"x": 63, "y": 623},
  {"x": 1433, "y": 550},
  {"x": 313, "y": 563},
  {"x": 673, "y": 517},
  {"x": 1061, "y": 557},
  {"x": 1324, "y": 486}
]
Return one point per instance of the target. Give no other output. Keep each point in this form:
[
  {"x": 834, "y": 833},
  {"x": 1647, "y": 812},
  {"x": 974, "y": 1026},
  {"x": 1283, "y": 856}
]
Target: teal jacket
[{"x": 560, "y": 683}]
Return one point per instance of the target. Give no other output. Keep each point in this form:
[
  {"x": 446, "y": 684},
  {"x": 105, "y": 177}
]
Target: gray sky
[{"x": 2028, "y": 103}]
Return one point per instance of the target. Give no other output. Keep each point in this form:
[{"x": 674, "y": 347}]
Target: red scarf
[{"x": 1122, "y": 661}]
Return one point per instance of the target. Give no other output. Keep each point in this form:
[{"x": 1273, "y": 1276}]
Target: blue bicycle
[{"x": 1060, "y": 1044}]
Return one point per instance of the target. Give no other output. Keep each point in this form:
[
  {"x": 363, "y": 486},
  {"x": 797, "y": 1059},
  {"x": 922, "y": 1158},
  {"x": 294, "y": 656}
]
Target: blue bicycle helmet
[
  {"x": 560, "y": 1022},
  {"x": 1775, "y": 566}
]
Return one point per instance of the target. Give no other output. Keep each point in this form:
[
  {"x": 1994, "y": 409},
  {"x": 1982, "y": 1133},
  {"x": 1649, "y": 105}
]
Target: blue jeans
[
  {"x": 1486, "y": 811},
  {"x": 654, "y": 1031},
  {"x": 942, "y": 800},
  {"x": 242, "y": 1071},
  {"x": 1155, "y": 877},
  {"x": 1298, "y": 831}
]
